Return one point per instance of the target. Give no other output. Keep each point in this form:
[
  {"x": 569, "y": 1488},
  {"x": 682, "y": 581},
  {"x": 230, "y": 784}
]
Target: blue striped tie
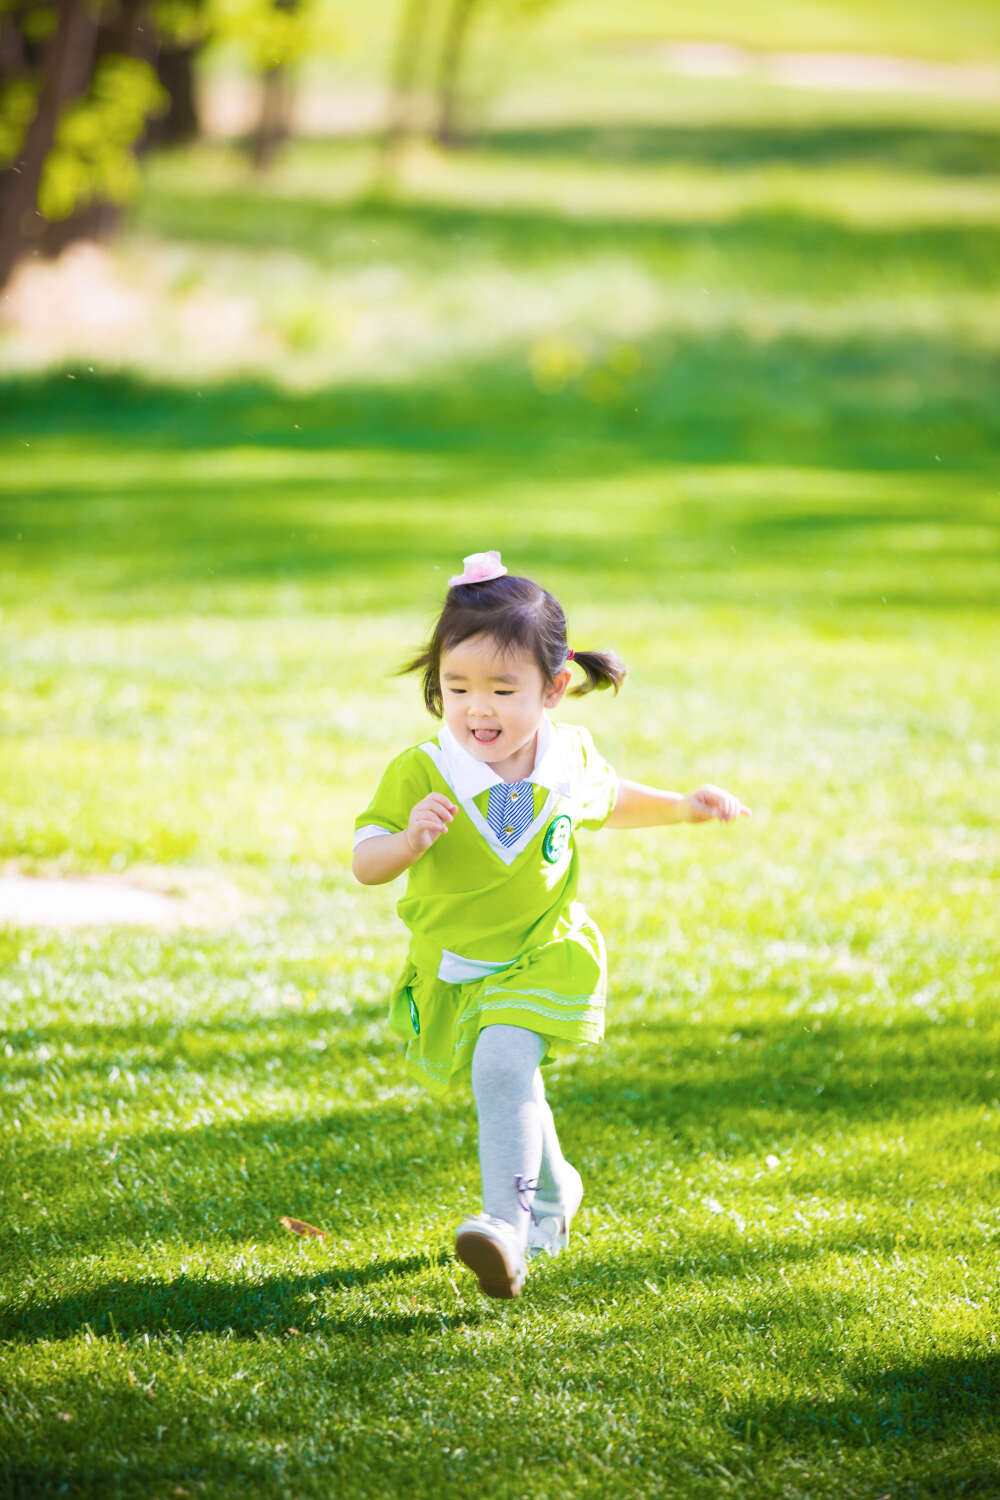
[{"x": 511, "y": 809}]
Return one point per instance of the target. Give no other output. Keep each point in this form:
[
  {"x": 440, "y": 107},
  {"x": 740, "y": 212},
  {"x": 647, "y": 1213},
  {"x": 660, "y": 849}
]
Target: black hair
[{"x": 519, "y": 615}]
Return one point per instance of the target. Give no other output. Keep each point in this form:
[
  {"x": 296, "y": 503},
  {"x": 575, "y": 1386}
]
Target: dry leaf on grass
[{"x": 298, "y": 1227}]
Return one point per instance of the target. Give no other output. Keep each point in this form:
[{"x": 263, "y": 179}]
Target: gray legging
[{"x": 518, "y": 1144}]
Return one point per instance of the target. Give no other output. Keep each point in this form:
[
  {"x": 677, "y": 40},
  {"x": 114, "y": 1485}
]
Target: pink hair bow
[{"x": 480, "y": 567}]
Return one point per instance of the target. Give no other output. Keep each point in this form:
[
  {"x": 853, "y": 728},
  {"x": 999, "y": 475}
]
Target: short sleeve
[
  {"x": 401, "y": 786},
  {"x": 598, "y": 790}
]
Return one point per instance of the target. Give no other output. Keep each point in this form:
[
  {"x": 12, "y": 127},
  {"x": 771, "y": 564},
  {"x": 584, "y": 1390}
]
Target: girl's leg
[
  {"x": 504, "y": 1068},
  {"x": 552, "y": 1172}
]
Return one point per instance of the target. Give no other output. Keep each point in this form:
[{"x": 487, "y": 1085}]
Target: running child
[{"x": 505, "y": 969}]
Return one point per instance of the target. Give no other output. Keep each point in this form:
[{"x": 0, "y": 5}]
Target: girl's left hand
[{"x": 712, "y": 802}]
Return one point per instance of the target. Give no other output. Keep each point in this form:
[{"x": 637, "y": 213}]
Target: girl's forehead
[{"x": 481, "y": 653}]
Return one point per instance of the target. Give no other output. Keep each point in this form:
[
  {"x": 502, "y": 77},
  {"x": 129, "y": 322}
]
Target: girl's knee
[{"x": 506, "y": 1058}]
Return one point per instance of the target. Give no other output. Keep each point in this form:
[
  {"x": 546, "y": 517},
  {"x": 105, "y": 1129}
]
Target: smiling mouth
[{"x": 486, "y": 736}]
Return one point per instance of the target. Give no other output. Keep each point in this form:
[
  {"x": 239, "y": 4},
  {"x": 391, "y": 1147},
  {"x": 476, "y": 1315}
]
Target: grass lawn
[{"x": 725, "y": 380}]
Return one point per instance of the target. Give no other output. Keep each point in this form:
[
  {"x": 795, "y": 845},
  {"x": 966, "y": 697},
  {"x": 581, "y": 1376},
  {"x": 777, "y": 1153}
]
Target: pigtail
[
  {"x": 603, "y": 668},
  {"x": 426, "y": 662}
]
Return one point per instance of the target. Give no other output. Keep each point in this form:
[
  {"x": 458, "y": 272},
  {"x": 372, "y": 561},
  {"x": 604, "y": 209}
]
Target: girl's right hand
[{"x": 428, "y": 820}]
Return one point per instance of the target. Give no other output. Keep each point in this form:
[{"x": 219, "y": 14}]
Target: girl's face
[{"x": 493, "y": 702}]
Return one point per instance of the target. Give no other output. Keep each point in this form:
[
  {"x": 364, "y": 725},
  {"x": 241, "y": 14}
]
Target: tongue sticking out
[{"x": 486, "y": 736}]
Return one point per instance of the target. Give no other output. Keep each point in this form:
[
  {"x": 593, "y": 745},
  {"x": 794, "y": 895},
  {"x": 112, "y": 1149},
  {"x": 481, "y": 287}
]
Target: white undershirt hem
[
  {"x": 370, "y": 831},
  {"x": 454, "y": 969}
]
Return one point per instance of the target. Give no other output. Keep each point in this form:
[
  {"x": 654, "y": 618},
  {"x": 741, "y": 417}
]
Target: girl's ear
[{"x": 560, "y": 683}]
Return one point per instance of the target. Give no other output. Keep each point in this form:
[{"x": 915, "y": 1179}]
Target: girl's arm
[
  {"x": 383, "y": 858},
  {"x": 638, "y": 806},
  {"x": 387, "y": 855}
]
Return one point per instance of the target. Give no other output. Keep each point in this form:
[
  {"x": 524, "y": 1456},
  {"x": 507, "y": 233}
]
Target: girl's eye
[{"x": 504, "y": 692}]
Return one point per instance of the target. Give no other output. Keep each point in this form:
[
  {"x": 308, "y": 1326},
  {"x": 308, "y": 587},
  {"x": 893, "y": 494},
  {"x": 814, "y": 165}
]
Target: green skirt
[{"x": 557, "y": 990}]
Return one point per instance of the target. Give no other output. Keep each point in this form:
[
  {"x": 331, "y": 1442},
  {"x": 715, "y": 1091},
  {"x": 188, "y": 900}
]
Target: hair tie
[{"x": 570, "y": 655}]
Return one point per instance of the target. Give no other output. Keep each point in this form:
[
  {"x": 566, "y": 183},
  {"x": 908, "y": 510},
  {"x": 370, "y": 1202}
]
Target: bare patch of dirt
[
  {"x": 848, "y": 71},
  {"x": 89, "y": 303},
  {"x": 146, "y": 896},
  {"x": 229, "y": 106}
]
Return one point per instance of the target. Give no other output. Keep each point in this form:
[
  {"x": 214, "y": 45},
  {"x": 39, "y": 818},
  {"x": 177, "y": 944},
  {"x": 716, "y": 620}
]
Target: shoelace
[{"x": 525, "y": 1186}]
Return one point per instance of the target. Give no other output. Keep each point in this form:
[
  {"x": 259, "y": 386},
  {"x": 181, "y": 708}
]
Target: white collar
[{"x": 469, "y": 776}]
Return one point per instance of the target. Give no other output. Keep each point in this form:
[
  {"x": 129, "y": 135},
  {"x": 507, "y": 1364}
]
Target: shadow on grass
[
  {"x": 867, "y": 402},
  {"x": 769, "y": 250},
  {"x": 246, "y": 1307},
  {"x": 92, "y": 1477},
  {"x": 731, "y": 1092},
  {"x": 684, "y": 1078},
  {"x": 724, "y": 1264},
  {"x": 927, "y": 1399},
  {"x": 232, "y": 1182},
  {"x": 917, "y": 148},
  {"x": 243, "y": 1308},
  {"x": 958, "y": 151},
  {"x": 408, "y": 460}
]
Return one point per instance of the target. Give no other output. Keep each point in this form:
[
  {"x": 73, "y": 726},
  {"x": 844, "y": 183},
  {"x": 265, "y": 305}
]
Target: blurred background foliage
[
  {"x": 88, "y": 85},
  {"x": 541, "y": 242}
]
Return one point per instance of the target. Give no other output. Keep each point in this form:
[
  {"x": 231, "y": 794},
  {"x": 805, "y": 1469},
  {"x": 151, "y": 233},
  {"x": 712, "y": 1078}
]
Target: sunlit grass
[
  {"x": 731, "y": 395},
  {"x": 851, "y": 25},
  {"x": 775, "y": 1286},
  {"x": 969, "y": 31}
]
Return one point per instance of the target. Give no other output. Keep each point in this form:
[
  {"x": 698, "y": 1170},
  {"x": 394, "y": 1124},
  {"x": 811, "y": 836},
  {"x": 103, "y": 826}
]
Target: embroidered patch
[
  {"x": 557, "y": 839},
  {"x": 414, "y": 1013}
]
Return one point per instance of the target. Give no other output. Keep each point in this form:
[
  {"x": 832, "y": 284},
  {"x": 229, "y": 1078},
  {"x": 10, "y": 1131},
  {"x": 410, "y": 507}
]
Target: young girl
[{"x": 505, "y": 969}]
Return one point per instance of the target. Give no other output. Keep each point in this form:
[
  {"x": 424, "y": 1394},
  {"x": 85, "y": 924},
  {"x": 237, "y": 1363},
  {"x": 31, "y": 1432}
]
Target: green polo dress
[{"x": 468, "y": 902}]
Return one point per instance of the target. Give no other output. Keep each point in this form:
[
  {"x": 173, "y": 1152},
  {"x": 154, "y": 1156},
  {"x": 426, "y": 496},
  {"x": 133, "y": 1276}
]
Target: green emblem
[
  {"x": 414, "y": 1013},
  {"x": 557, "y": 839}
]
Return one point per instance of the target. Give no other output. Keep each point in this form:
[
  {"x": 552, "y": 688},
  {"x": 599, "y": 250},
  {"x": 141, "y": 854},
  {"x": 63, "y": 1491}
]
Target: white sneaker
[
  {"x": 490, "y": 1247},
  {"x": 550, "y": 1220}
]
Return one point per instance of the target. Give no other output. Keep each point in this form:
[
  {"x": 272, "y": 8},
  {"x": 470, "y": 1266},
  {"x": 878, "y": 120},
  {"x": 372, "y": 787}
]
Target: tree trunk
[
  {"x": 131, "y": 34},
  {"x": 14, "y": 58},
  {"x": 180, "y": 124},
  {"x": 96, "y": 220},
  {"x": 399, "y": 116},
  {"x": 277, "y": 99},
  {"x": 274, "y": 123},
  {"x": 449, "y": 71},
  {"x": 66, "y": 70}
]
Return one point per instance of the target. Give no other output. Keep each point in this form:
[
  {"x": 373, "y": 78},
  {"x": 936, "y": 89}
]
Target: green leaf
[{"x": 92, "y": 157}]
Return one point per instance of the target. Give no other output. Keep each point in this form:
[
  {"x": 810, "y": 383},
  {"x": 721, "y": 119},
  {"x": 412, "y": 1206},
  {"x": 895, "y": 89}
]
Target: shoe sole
[{"x": 487, "y": 1261}]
